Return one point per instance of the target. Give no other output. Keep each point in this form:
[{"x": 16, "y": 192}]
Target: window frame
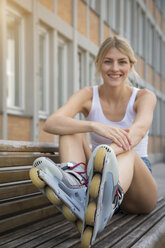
[
  {"x": 43, "y": 31},
  {"x": 91, "y": 69},
  {"x": 62, "y": 44},
  {"x": 81, "y": 67},
  {"x": 11, "y": 107}
]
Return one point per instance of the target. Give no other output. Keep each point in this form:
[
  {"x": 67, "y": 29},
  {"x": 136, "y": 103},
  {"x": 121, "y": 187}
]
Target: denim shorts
[{"x": 147, "y": 162}]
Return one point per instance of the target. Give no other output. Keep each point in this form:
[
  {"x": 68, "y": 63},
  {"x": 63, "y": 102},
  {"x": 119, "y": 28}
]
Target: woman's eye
[
  {"x": 107, "y": 61},
  {"x": 123, "y": 62}
]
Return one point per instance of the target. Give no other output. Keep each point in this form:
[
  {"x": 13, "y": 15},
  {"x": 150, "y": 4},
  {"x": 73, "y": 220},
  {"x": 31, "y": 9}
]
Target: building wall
[{"x": 57, "y": 43}]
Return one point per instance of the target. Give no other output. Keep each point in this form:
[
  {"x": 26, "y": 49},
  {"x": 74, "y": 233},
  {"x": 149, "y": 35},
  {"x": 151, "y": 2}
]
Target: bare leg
[
  {"x": 137, "y": 182},
  {"x": 74, "y": 148}
]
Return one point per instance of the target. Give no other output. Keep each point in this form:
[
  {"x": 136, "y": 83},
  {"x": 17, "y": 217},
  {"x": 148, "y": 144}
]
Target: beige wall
[
  {"x": 150, "y": 6},
  {"x": 82, "y": 18},
  {"x": 106, "y": 31},
  {"x": 64, "y": 10},
  {"x": 94, "y": 27},
  {"x": 149, "y": 74},
  {"x": 19, "y": 128},
  {"x": 140, "y": 66},
  {"x": 49, "y": 4}
]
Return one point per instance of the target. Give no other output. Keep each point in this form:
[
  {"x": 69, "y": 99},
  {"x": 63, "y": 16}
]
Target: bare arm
[
  {"x": 144, "y": 107},
  {"x": 62, "y": 122}
]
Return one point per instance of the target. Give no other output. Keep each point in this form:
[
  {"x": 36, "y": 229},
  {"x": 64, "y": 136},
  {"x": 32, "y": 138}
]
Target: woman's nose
[{"x": 115, "y": 66}]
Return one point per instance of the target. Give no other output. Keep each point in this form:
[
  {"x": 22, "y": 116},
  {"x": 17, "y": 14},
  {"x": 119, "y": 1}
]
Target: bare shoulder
[
  {"x": 80, "y": 101},
  {"x": 83, "y": 94},
  {"x": 146, "y": 93},
  {"x": 145, "y": 97}
]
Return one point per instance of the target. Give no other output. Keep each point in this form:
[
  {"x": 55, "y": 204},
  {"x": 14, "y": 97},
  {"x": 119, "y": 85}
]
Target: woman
[{"x": 117, "y": 115}]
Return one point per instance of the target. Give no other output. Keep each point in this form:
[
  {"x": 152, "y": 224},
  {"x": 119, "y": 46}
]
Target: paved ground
[{"x": 158, "y": 171}]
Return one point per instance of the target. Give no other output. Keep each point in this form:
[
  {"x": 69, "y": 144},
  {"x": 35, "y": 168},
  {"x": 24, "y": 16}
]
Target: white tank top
[{"x": 96, "y": 114}]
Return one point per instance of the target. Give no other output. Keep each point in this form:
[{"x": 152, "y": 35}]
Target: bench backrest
[{"x": 21, "y": 203}]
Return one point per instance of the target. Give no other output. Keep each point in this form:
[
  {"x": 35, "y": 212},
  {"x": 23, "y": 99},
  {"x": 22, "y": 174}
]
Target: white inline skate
[
  {"x": 104, "y": 193},
  {"x": 65, "y": 186}
]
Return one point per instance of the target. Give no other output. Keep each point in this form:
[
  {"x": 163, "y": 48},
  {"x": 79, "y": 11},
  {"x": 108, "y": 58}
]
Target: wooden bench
[{"x": 27, "y": 219}]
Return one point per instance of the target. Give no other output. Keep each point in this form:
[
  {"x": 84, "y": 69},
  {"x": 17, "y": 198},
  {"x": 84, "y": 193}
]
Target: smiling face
[{"x": 115, "y": 67}]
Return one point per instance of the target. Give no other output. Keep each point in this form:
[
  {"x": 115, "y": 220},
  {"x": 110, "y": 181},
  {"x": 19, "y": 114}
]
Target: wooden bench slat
[
  {"x": 17, "y": 146},
  {"x": 23, "y": 160},
  {"x": 15, "y": 191},
  {"x": 24, "y": 204},
  {"x": 32, "y": 236},
  {"x": 26, "y": 218},
  {"x": 14, "y": 176},
  {"x": 154, "y": 238},
  {"x": 72, "y": 238},
  {"x": 118, "y": 233},
  {"x": 48, "y": 234},
  {"x": 21, "y": 233},
  {"x": 136, "y": 233}
]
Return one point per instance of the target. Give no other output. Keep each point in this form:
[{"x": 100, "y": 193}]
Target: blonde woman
[{"x": 118, "y": 116}]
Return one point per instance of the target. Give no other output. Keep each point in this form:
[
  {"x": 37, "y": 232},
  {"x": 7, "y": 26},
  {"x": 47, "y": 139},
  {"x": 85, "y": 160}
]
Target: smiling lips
[{"x": 114, "y": 75}]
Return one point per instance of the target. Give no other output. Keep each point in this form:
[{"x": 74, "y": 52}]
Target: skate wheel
[
  {"x": 90, "y": 213},
  {"x": 86, "y": 238},
  {"x": 99, "y": 159},
  {"x": 68, "y": 214},
  {"x": 95, "y": 184},
  {"x": 33, "y": 174},
  {"x": 52, "y": 197},
  {"x": 79, "y": 225}
]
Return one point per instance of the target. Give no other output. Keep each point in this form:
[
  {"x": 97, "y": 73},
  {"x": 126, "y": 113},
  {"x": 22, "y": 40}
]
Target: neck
[{"x": 113, "y": 94}]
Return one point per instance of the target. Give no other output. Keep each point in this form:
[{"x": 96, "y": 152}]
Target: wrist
[
  {"x": 92, "y": 126},
  {"x": 117, "y": 150}
]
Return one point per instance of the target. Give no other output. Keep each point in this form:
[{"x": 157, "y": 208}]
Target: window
[
  {"x": 43, "y": 70},
  {"x": 15, "y": 60},
  {"x": 91, "y": 70},
  {"x": 106, "y": 11},
  {"x": 112, "y": 14},
  {"x": 117, "y": 16},
  {"x": 141, "y": 33},
  {"x": 128, "y": 19},
  {"x": 81, "y": 68},
  {"x": 150, "y": 44},
  {"x": 62, "y": 73},
  {"x": 95, "y": 4},
  {"x": 158, "y": 53}
]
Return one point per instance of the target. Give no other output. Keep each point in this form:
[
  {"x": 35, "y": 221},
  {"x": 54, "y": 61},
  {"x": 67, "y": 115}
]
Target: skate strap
[{"x": 77, "y": 171}]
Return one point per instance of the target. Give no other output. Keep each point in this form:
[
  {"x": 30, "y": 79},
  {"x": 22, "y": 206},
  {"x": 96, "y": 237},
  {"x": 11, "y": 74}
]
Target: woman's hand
[{"x": 118, "y": 135}]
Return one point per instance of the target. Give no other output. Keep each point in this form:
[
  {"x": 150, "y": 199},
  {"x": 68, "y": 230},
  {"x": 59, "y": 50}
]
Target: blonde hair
[{"x": 118, "y": 42}]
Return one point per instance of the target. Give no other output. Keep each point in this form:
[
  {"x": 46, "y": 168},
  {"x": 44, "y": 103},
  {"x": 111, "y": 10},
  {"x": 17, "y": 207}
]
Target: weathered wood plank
[
  {"x": 48, "y": 234},
  {"x": 31, "y": 236},
  {"x": 26, "y": 218},
  {"x": 14, "y": 176},
  {"x": 23, "y": 160},
  {"x": 118, "y": 233},
  {"x": 155, "y": 237},
  {"x": 138, "y": 231},
  {"x": 72, "y": 238},
  {"x": 21, "y": 146},
  {"x": 20, "y": 205},
  {"x": 17, "y": 190},
  {"x": 28, "y": 230}
]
